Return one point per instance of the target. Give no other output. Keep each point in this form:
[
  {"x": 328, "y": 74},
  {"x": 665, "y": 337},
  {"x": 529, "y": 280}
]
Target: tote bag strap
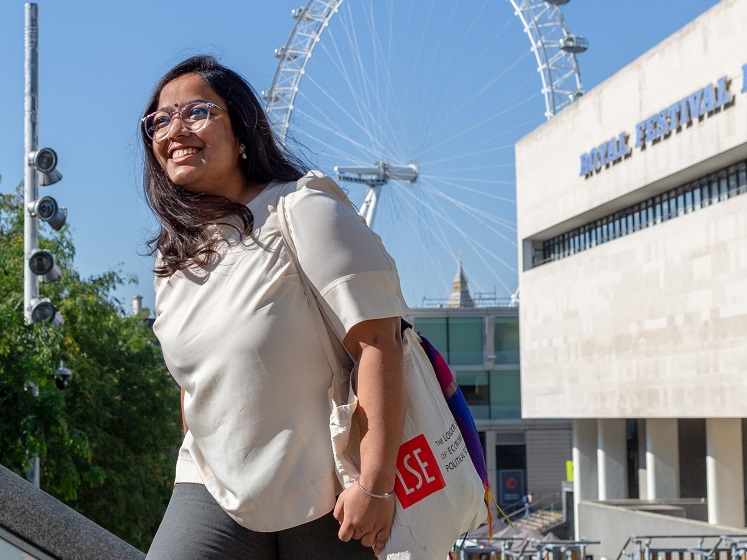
[{"x": 331, "y": 344}]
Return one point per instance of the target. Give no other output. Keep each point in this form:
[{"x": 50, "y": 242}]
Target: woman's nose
[{"x": 176, "y": 127}]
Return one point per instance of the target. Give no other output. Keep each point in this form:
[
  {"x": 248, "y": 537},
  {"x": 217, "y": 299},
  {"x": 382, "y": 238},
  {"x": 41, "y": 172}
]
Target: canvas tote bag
[{"x": 439, "y": 494}]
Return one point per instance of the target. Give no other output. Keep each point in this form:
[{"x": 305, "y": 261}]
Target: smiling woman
[
  {"x": 255, "y": 476},
  {"x": 171, "y": 159}
]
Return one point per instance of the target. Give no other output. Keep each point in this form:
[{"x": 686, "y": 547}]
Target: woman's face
[{"x": 206, "y": 161}]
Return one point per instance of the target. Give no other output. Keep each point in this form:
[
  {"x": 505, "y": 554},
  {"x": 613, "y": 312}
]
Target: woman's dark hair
[{"x": 184, "y": 237}]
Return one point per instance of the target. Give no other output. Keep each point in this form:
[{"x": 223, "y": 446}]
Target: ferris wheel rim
[
  {"x": 554, "y": 65},
  {"x": 312, "y": 22}
]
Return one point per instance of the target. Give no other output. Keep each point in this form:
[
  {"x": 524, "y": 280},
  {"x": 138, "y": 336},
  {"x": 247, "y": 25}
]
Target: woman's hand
[
  {"x": 364, "y": 518},
  {"x": 376, "y": 346}
]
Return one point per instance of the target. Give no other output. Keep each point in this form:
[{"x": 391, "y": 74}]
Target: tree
[{"x": 107, "y": 443}]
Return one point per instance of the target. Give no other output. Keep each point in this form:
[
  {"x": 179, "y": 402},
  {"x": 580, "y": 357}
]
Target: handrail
[
  {"x": 534, "y": 549},
  {"x": 735, "y": 544}
]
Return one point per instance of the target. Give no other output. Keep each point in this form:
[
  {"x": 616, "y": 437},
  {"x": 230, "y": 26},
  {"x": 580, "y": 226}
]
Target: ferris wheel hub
[{"x": 378, "y": 174}]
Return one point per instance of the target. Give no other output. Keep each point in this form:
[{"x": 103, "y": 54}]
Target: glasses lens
[
  {"x": 157, "y": 125},
  {"x": 195, "y": 115}
]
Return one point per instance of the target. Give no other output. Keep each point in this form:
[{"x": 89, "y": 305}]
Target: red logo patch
[{"x": 418, "y": 474}]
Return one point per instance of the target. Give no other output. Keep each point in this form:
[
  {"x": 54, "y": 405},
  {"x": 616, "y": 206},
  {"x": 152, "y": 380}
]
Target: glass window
[
  {"x": 506, "y": 340},
  {"x": 680, "y": 202},
  {"x": 689, "y": 201},
  {"x": 505, "y": 394},
  {"x": 657, "y": 209},
  {"x": 628, "y": 224},
  {"x": 475, "y": 387},
  {"x": 723, "y": 188},
  {"x": 733, "y": 183},
  {"x": 705, "y": 196},
  {"x": 465, "y": 340},
  {"x": 664, "y": 208},
  {"x": 434, "y": 329},
  {"x": 714, "y": 189},
  {"x": 650, "y": 213},
  {"x": 742, "y": 175},
  {"x": 605, "y": 231},
  {"x": 696, "y": 197}
]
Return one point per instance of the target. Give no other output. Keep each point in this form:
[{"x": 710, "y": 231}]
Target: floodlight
[
  {"x": 47, "y": 210},
  {"x": 42, "y": 310},
  {"x": 41, "y": 262},
  {"x": 45, "y": 162}
]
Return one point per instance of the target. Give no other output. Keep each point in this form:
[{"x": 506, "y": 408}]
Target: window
[
  {"x": 680, "y": 202},
  {"x": 475, "y": 386},
  {"x": 716, "y": 187},
  {"x": 459, "y": 339},
  {"x": 723, "y": 189},
  {"x": 435, "y": 330},
  {"x": 689, "y": 200},
  {"x": 465, "y": 341},
  {"x": 505, "y": 394},
  {"x": 697, "y": 200},
  {"x": 506, "y": 340}
]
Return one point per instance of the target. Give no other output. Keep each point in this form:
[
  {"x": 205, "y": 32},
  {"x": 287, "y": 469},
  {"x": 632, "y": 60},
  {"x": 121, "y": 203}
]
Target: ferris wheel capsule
[
  {"x": 557, "y": 2},
  {"x": 574, "y": 43}
]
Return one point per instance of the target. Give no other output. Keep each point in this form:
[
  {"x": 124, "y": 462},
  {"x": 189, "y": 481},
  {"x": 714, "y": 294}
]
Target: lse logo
[{"x": 418, "y": 474}]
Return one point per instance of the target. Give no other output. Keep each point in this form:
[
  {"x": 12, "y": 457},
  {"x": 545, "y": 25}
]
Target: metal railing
[
  {"x": 685, "y": 547},
  {"x": 519, "y": 548}
]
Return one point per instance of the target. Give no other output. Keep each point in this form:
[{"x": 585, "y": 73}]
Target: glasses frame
[{"x": 173, "y": 114}]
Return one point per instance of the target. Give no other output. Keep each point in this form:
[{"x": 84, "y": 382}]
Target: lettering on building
[{"x": 658, "y": 127}]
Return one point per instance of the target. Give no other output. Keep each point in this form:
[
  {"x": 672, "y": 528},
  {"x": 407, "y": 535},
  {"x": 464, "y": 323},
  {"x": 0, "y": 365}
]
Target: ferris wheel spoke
[
  {"x": 336, "y": 132},
  {"x": 479, "y": 249},
  {"x": 355, "y": 88},
  {"x": 472, "y": 153},
  {"x": 483, "y": 217},
  {"x": 472, "y": 210},
  {"x": 478, "y": 124},
  {"x": 330, "y": 124},
  {"x": 458, "y": 110},
  {"x": 460, "y": 186}
]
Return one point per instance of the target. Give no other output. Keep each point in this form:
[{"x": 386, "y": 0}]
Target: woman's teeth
[{"x": 183, "y": 152}]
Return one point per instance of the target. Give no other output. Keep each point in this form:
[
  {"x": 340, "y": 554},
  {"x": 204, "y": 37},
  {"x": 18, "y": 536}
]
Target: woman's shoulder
[{"x": 311, "y": 186}]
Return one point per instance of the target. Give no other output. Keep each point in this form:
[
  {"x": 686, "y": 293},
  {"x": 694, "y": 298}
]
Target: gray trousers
[{"x": 195, "y": 527}]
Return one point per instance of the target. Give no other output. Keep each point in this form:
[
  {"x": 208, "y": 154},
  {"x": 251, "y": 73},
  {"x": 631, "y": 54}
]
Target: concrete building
[{"x": 632, "y": 221}]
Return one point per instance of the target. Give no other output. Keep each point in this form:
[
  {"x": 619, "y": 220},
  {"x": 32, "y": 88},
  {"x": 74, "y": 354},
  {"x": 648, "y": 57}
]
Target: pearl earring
[{"x": 243, "y": 151}]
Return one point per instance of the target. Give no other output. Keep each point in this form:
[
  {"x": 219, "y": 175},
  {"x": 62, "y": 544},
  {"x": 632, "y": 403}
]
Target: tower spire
[{"x": 460, "y": 290}]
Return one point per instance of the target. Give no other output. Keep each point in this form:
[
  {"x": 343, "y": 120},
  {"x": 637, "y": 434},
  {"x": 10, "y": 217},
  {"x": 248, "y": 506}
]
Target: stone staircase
[{"x": 540, "y": 521}]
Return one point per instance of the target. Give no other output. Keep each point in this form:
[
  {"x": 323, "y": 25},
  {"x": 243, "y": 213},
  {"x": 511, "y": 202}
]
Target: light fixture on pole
[
  {"x": 47, "y": 210},
  {"x": 45, "y": 162}
]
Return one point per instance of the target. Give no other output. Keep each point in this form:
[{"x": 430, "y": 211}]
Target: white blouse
[{"x": 240, "y": 339}]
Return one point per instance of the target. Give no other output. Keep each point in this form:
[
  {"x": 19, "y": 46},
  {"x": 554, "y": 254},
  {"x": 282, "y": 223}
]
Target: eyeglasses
[{"x": 193, "y": 116}]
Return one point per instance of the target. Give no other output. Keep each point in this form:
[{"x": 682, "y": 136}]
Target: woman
[{"x": 255, "y": 477}]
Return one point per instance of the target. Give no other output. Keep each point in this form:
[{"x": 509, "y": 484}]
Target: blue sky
[{"x": 98, "y": 61}]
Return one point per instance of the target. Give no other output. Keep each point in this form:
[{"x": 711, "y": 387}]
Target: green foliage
[{"x": 107, "y": 442}]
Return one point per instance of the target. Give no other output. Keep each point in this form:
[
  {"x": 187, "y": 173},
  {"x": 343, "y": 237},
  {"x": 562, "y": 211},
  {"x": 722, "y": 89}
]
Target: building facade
[{"x": 633, "y": 272}]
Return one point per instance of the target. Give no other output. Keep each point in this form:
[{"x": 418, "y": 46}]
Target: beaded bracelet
[{"x": 380, "y": 496}]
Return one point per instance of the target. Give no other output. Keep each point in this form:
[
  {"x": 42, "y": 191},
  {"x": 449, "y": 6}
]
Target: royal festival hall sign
[{"x": 659, "y": 126}]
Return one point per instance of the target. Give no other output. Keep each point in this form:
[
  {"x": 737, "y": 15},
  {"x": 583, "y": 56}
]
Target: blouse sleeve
[{"x": 354, "y": 277}]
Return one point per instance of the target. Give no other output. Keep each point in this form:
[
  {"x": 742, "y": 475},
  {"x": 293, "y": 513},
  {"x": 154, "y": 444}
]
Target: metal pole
[
  {"x": 30, "y": 187},
  {"x": 31, "y": 144}
]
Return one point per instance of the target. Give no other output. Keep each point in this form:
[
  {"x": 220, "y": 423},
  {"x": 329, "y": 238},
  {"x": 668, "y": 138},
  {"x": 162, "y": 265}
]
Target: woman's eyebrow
[{"x": 168, "y": 108}]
